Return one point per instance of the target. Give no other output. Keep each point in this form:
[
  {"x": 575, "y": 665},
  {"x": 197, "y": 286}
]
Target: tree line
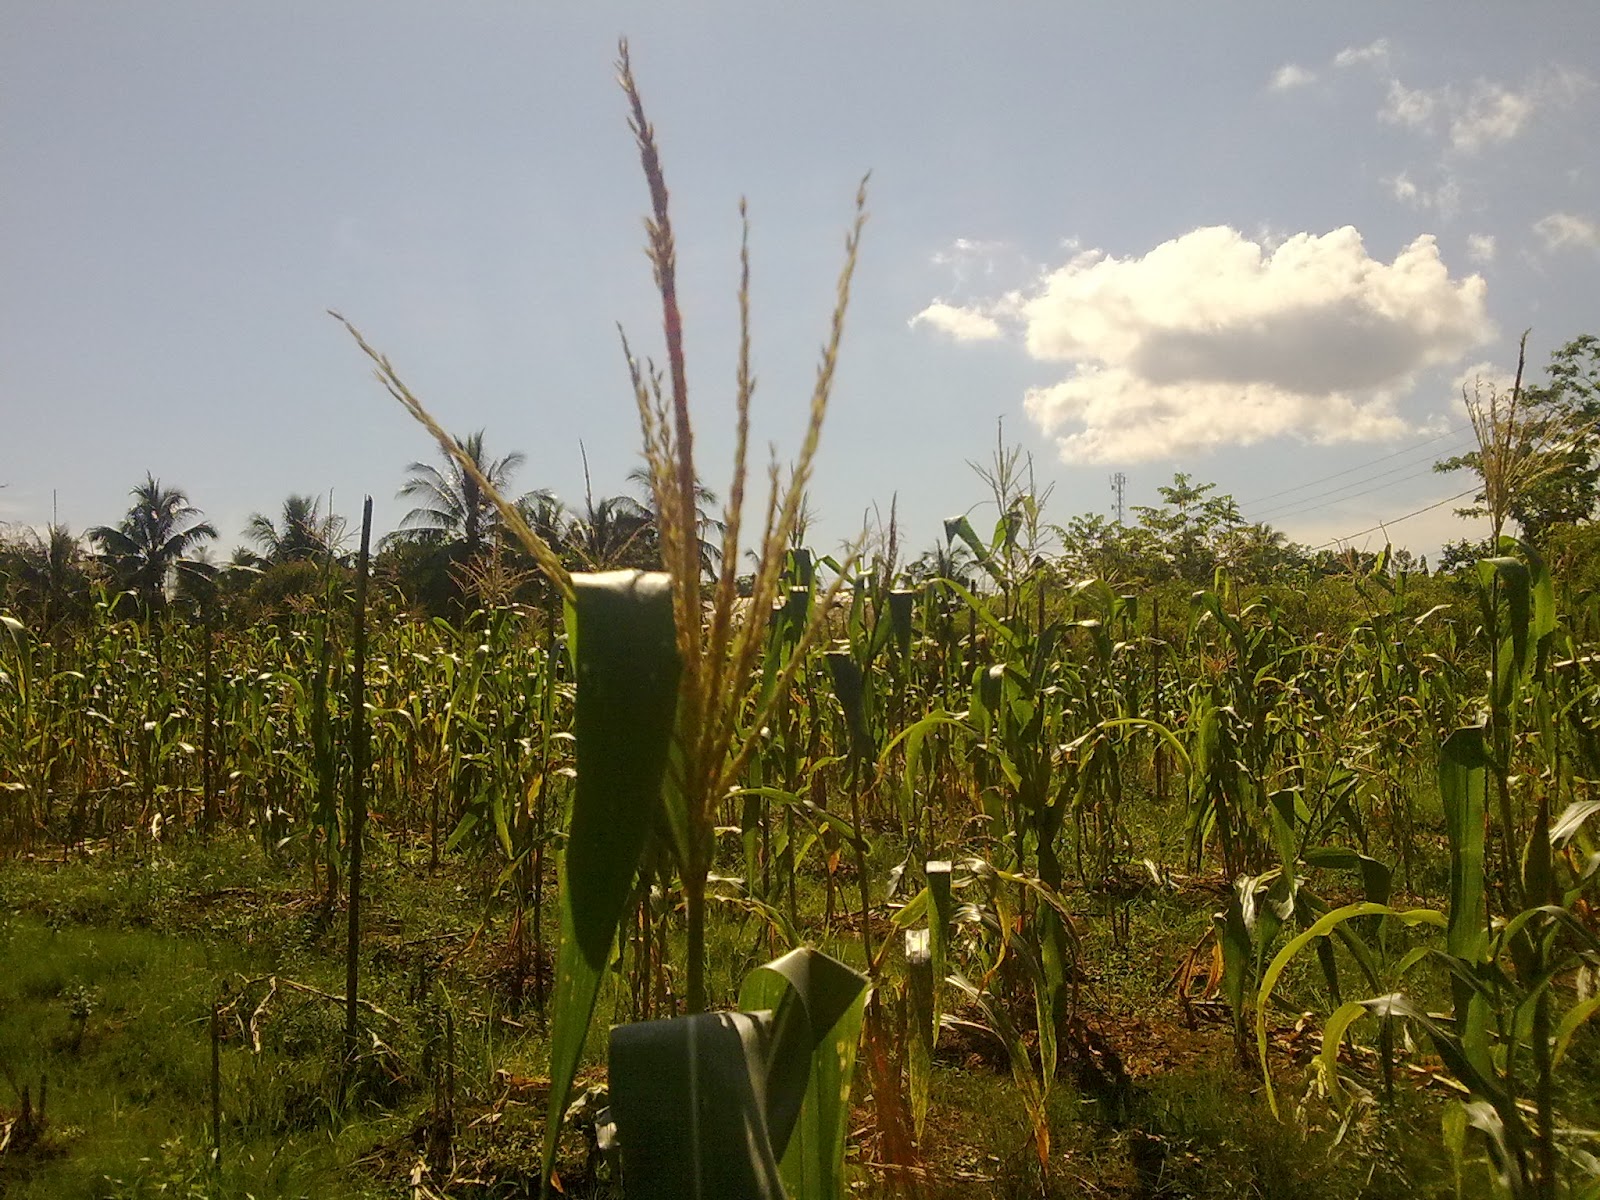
[{"x": 1538, "y": 466}]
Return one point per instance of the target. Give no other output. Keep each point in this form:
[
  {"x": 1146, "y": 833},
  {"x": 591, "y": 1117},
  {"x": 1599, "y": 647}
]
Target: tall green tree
[
  {"x": 1189, "y": 525},
  {"x": 614, "y": 531},
  {"x": 707, "y": 526},
  {"x": 157, "y": 537},
  {"x": 451, "y": 510},
  {"x": 1095, "y": 546},
  {"x": 1258, "y": 553},
  {"x": 45, "y": 576},
  {"x": 303, "y": 533}
]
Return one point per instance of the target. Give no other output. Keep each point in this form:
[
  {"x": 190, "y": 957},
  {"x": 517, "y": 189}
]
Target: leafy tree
[
  {"x": 1095, "y": 546},
  {"x": 545, "y": 514},
  {"x": 1189, "y": 525},
  {"x": 945, "y": 559},
  {"x": 1258, "y": 553},
  {"x": 302, "y": 534},
  {"x": 156, "y": 538}
]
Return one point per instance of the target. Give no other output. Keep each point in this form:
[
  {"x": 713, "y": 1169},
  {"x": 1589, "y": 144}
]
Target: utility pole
[{"x": 1119, "y": 484}]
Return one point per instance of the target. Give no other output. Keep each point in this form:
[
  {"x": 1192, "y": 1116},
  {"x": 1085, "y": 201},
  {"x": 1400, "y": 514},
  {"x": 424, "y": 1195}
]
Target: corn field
[
  {"x": 903, "y": 810},
  {"x": 988, "y": 768}
]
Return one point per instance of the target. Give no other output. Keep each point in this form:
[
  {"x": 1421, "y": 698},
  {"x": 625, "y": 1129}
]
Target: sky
[{"x": 1132, "y": 239}]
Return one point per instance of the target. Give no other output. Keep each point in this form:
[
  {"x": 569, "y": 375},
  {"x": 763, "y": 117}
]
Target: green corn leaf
[
  {"x": 925, "y": 1026},
  {"x": 1576, "y": 1016},
  {"x": 1233, "y": 935},
  {"x": 939, "y": 922},
  {"x": 817, "y": 1004},
  {"x": 1156, "y": 727},
  {"x": 961, "y": 527},
  {"x": 1321, "y": 928},
  {"x": 1463, "y": 762},
  {"x": 1541, "y": 614},
  {"x": 901, "y": 603},
  {"x": 849, "y": 686},
  {"x": 1515, "y": 592},
  {"x": 1332, "y": 1034},
  {"x": 627, "y": 670},
  {"x": 1029, "y": 1087},
  {"x": 1571, "y": 820},
  {"x": 688, "y": 1097},
  {"x": 980, "y": 610}
]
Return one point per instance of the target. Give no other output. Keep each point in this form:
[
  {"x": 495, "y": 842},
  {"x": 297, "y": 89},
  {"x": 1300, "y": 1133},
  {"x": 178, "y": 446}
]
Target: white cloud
[
  {"x": 965, "y": 250},
  {"x": 1480, "y": 247},
  {"x": 1487, "y": 113},
  {"x": 1412, "y": 107},
  {"x": 1445, "y": 199},
  {"x": 1491, "y": 114},
  {"x": 1290, "y": 76},
  {"x": 1567, "y": 229},
  {"x": 1374, "y": 52},
  {"x": 1482, "y": 376},
  {"x": 962, "y": 324},
  {"x": 1209, "y": 341},
  {"x": 969, "y": 260}
]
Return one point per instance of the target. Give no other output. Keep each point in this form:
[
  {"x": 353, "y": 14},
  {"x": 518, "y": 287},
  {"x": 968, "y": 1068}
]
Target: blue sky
[{"x": 1150, "y": 238}]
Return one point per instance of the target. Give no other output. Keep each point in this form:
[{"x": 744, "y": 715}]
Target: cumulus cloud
[
  {"x": 1561, "y": 229},
  {"x": 1209, "y": 340},
  {"x": 1375, "y": 53},
  {"x": 1290, "y": 76},
  {"x": 962, "y": 324},
  {"x": 1480, "y": 247}
]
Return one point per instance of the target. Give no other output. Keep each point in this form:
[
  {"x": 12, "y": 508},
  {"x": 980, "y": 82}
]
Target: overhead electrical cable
[
  {"x": 1459, "y": 429},
  {"x": 1396, "y": 520},
  {"x": 1306, "y": 503}
]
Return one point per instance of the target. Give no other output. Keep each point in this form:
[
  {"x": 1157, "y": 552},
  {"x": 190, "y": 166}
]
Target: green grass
[
  {"x": 140, "y": 951},
  {"x": 116, "y": 1020}
]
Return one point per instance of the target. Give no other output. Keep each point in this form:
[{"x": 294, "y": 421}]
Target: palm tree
[
  {"x": 155, "y": 539},
  {"x": 709, "y": 527},
  {"x": 615, "y": 531},
  {"x": 453, "y": 510},
  {"x": 302, "y": 534},
  {"x": 49, "y": 579},
  {"x": 545, "y": 514}
]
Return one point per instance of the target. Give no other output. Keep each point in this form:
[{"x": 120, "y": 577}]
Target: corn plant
[{"x": 1506, "y": 947}]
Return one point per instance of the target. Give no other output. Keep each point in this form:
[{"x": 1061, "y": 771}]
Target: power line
[
  {"x": 1395, "y": 521},
  {"x": 1303, "y": 504},
  {"x": 1459, "y": 429}
]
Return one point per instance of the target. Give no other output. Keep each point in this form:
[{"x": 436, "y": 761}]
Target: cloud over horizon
[{"x": 1211, "y": 340}]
